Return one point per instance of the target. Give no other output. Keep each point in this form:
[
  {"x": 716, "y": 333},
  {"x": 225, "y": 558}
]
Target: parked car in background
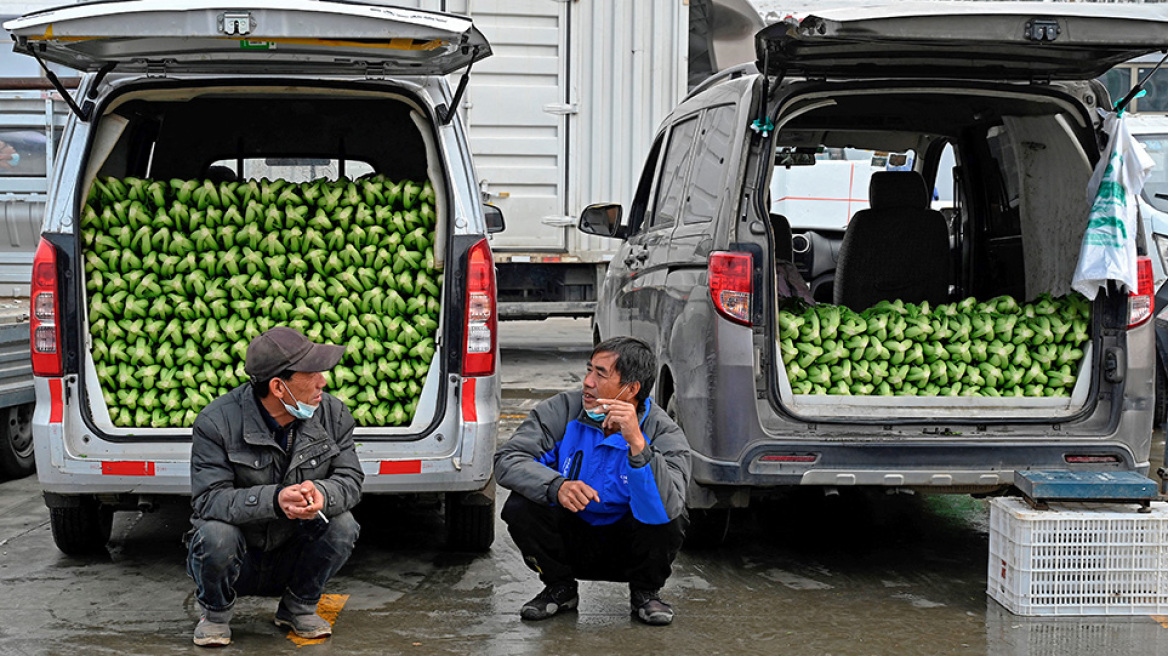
[
  {"x": 934, "y": 364},
  {"x": 1151, "y": 130},
  {"x": 32, "y": 117}
]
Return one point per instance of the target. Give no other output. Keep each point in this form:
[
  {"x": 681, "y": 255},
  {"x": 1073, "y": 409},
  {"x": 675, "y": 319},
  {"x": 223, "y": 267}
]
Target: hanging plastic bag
[{"x": 1109, "y": 244}]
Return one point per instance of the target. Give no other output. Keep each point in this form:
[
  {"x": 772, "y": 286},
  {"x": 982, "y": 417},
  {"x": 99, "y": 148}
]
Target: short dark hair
[
  {"x": 263, "y": 387},
  {"x": 635, "y": 362}
]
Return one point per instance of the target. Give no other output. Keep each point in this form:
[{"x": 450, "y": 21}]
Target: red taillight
[
  {"x": 1141, "y": 304},
  {"x": 478, "y": 358},
  {"x": 731, "y": 286},
  {"x": 43, "y": 327}
]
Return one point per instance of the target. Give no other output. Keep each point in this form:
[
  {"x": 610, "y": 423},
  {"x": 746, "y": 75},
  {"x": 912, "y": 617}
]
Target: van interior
[{"x": 1001, "y": 232}]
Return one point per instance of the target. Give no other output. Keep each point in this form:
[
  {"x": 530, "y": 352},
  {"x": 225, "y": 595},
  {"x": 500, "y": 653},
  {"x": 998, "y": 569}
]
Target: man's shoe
[
  {"x": 308, "y": 625},
  {"x": 553, "y": 599},
  {"x": 212, "y": 634},
  {"x": 648, "y": 607}
]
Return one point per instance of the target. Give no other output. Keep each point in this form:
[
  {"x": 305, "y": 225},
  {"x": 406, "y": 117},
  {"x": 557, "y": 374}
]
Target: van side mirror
[
  {"x": 602, "y": 220},
  {"x": 494, "y": 217}
]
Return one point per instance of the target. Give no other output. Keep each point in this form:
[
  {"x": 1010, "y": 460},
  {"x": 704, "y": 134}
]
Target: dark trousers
[
  {"x": 223, "y": 567},
  {"x": 562, "y": 548}
]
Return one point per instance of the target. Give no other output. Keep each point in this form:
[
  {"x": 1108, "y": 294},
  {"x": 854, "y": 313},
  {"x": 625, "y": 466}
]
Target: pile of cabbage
[
  {"x": 180, "y": 275},
  {"x": 996, "y": 348}
]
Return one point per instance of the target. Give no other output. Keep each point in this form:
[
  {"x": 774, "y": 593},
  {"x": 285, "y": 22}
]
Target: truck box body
[{"x": 560, "y": 117}]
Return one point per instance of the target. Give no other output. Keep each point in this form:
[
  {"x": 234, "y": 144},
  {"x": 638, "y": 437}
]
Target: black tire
[
  {"x": 708, "y": 528},
  {"x": 83, "y": 529},
  {"x": 1160, "y": 409},
  {"x": 469, "y": 527},
  {"x": 16, "y": 450}
]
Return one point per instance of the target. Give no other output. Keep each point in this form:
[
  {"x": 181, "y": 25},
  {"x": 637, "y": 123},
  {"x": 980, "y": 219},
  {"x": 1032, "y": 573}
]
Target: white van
[{"x": 303, "y": 97}]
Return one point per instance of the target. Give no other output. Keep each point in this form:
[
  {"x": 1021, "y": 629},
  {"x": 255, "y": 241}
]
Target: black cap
[{"x": 283, "y": 348}]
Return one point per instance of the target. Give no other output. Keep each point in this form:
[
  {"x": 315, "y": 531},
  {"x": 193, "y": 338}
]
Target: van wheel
[
  {"x": 82, "y": 529},
  {"x": 16, "y": 452},
  {"x": 707, "y": 528},
  {"x": 1160, "y": 409},
  {"x": 469, "y": 527}
]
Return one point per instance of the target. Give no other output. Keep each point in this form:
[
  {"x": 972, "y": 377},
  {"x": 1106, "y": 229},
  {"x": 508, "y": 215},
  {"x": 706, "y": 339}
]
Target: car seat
[{"x": 896, "y": 249}]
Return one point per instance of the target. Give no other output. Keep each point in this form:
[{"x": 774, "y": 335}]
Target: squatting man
[
  {"x": 599, "y": 477},
  {"x": 274, "y": 475}
]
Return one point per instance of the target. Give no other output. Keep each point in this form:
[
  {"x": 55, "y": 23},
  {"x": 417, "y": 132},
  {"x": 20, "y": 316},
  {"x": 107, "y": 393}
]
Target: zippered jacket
[
  {"x": 558, "y": 441},
  {"x": 238, "y": 468}
]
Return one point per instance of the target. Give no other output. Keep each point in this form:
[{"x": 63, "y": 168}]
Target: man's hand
[
  {"x": 622, "y": 416},
  {"x": 301, "y": 501},
  {"x": 575, "y": 495}
]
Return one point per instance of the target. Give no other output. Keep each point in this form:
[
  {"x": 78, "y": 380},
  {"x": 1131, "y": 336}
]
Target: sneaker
[
  {"x": 648, "y": 607},
  {"x": 212, "y": 634},
  {"x": 309, "y": 625},
  {"x": 553, "y": 599}
]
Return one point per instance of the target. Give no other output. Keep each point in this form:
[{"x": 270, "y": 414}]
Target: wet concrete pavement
[{"x": 806, "y": 574}]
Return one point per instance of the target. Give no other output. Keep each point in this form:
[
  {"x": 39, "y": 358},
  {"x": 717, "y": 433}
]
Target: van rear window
[{"x": 292, "y": 169}]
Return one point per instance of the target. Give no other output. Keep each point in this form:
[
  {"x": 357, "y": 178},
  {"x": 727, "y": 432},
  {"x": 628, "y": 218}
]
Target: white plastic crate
[{"x": 1078, "y": 558}]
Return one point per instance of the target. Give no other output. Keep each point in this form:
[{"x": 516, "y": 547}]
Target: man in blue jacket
[{"x": 599, "y": 477}]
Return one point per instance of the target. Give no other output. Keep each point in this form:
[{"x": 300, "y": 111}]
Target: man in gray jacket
[
  {"x": 599, "y": 478},
  {"x": 273, "y": 477}
]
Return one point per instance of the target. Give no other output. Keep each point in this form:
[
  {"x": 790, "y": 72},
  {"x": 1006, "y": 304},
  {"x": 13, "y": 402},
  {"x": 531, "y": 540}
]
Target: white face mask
[{"x": 302, "y": 410}]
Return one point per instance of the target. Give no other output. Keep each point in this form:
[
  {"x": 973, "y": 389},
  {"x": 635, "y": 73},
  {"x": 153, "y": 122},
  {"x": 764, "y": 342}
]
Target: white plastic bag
[{"x": 1109, "y": 244}]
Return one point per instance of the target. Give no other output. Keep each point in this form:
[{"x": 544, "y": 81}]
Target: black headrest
[{"x": 889, "y": 189}]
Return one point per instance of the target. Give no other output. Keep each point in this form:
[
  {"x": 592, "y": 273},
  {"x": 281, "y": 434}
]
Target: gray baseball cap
[{"x": 283, "y": 348}]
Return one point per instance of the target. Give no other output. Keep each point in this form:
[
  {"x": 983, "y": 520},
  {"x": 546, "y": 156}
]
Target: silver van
[
  {"x": 772, "y": 391},
  {"x": 295, "y": 105}
]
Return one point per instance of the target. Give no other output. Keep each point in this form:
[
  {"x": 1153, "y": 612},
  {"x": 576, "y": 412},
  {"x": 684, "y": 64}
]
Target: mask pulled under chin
[{"x": 301, "y": 410}]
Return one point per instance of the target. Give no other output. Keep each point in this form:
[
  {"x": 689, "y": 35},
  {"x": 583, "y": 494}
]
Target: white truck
[
  {"x": 561, "y": 116},
  {"x": 31, "y": 118}
]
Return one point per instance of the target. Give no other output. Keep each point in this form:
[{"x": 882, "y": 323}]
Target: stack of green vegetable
[
  {"x": 181, "y": 275},
  {"x": 996, "y": 348}
]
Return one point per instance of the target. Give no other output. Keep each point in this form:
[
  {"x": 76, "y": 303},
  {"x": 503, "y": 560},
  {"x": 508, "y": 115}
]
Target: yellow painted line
[
  {"x": 512, "y": 416},
  {"x": 1162, "y": 619},
  {"x": 329, "y": 607}
]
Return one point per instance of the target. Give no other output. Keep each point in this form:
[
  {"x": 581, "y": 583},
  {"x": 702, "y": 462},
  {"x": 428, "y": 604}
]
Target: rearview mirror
[
  {"x": 494, "y": 218},
  {"x": 789, "y": 157},
  {"x": 603, "y": 220}
]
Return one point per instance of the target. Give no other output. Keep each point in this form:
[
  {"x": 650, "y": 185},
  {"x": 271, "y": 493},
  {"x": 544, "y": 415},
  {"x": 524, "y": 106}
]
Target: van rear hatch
[
  {"x": 219, "y": 207},
  {"x": 989, "y": 361},
  {"x": 269, "y": 36},
  {"x": 971, "y": 40}
]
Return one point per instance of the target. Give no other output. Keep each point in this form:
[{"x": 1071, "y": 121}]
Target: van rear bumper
[{"x": 936, "y": 465}]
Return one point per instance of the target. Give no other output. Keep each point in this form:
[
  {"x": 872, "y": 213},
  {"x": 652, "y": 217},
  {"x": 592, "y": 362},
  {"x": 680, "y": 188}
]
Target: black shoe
[
  {"x": 552, "y": 600},
  {"x": 648, "y": 607}
]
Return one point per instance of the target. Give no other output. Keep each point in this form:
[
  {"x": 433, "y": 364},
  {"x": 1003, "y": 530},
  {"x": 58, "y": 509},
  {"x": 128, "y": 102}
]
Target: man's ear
[
  {"x": 275, "y": 385},
  {"x": 635, "y": 388}
]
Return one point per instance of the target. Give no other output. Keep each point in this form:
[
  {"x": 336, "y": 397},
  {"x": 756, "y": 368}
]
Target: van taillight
[
  {"x": 43, "y": 328},
  {"x": 1141, "y": 303},
  {"x": 478, "y": 357},
  {"x": 731, "y": 286}
]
